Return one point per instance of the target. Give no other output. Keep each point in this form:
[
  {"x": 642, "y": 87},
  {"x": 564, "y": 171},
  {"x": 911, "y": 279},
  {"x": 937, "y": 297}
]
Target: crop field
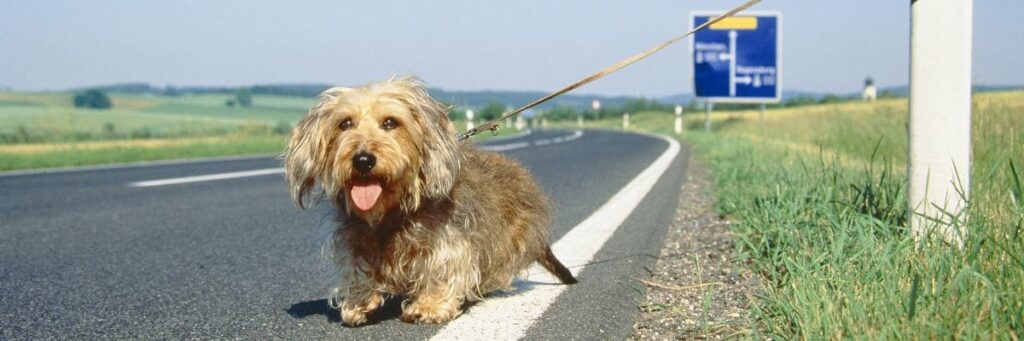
[
  {"x": 818, "y": 197},
  {"x": 42, "y": 130},
  {"x": 39, "y": 130}
]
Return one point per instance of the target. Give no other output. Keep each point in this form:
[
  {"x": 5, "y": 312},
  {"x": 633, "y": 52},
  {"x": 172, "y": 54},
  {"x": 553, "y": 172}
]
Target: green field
[
  {"x": 42, "y": 130},
  {"x": 818, "y": 194}
]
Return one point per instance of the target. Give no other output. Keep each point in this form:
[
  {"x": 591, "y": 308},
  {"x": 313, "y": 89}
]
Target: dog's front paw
[
  {"x": 426, "y": 311},
  {"x": 354, "y": 310}
]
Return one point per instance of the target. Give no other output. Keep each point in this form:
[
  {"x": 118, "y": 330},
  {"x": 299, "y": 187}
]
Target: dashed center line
[
  {"x": 208, "y": 177},
  {"x": 541, "y": 142},
  {"x": 269, "y": 171}
]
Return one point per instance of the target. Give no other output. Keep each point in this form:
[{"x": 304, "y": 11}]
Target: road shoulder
[{"x": 696, "y": 290}]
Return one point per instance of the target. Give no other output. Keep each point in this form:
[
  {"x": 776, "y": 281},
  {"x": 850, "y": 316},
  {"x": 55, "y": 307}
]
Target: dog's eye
[
  {"x": 389, "y": 124},
  {"x": 345, "y": 124}
]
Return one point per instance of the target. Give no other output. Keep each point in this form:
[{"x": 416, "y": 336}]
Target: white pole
[
  {"x": 707, "y": 115},
  {"x": 679, "y": 119},
  {"x": 940, "y": 118},
  {"x": 508, "y": 120},
  {"x": 469, "y": 119},
  {"x": 764, "y": 111},
  {"x": 625, "y": 121}
]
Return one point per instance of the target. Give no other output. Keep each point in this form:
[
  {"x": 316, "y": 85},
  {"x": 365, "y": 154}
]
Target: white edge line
[
  {"x": 505, "y": 316},
  {"x": 207, "y": 177}
]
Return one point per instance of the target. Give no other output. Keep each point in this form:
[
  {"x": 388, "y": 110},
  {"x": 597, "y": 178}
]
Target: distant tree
[
  {"x": 492, "y": 110},
  {"x": 243, "y": 97},
  {"x": 643, "y": 104},
  {"x": 831, "y": 98},
  {"x": 171, "y": 91},
  {"x": 92, "y": 98},
  {"x": 109, "y": 129},
  {"x": 562, "y": 113},
  {"x": 230, "y": 102},
  {"x": 800, "y": 100}
]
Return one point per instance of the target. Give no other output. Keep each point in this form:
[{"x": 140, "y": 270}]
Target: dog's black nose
[{"x": 364, "y": 162}]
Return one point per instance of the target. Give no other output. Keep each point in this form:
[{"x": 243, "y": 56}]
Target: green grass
[
  {"x": 39, "y": 130},
  {"x": 818, "y": 194},
  {"x": 71, "y": 155},
  {"x": 265, "y": 114}
]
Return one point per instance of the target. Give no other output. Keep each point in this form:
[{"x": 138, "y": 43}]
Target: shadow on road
[
  {"x": 392, "y": 309},
  {"x": 318, "y": 307}
]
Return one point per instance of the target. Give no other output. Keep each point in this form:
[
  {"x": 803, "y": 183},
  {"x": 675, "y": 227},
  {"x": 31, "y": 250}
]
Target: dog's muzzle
[{"x": 364, "y": 162}]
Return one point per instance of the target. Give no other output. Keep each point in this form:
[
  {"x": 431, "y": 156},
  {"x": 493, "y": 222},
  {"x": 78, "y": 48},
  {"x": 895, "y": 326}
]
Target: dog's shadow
[{"x": 392, "y": 309}]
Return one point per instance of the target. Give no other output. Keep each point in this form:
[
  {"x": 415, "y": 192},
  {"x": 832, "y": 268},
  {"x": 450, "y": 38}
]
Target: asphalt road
[{"x": 83, "y": 255}]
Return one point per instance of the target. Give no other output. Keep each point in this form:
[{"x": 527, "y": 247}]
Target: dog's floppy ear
[
  {"x": 305, "y": 157},
  {"x": 440, "y": 167}
]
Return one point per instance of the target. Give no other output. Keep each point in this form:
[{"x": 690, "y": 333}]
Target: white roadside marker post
[
  {"x": 940, "y": 119},
  {"x": 469, "y": 119},
  {"x": 625, "y": 121},
  {"x": 708, "y": 106},
  {"x": 679, "y": 119}
]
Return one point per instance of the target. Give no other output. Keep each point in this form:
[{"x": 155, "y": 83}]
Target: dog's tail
[{"x": 549, "y": 262}]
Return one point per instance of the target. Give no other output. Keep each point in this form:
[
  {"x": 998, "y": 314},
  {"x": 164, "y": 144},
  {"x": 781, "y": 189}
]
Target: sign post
[
  {"x": 738, "y": 59},
  {"x": 469, "y": 119}
]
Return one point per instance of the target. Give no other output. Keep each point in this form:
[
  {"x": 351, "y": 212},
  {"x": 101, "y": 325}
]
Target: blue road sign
[{"x": 738, "y": 59}]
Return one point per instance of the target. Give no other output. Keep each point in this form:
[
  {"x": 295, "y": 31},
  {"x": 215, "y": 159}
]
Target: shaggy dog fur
[{"x": 420, "y": 214}]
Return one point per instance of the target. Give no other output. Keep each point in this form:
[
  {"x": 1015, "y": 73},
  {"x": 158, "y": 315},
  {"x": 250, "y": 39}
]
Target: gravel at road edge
[{"x": 696, "y": 290}]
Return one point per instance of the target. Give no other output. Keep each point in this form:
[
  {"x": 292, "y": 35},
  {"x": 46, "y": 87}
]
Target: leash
[{"x": 493, "y": 125}]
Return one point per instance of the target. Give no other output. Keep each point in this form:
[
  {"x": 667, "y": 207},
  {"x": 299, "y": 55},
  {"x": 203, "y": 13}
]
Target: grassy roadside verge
[
  {"x": 818, "y": 194},
  {"x": 123, "y": 151}
]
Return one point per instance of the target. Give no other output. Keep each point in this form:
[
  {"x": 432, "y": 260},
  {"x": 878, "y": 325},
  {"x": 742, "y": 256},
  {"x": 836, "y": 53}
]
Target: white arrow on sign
[{"x": 732, "y": 63}]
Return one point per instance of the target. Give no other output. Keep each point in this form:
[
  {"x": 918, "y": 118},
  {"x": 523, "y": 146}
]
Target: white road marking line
[
  {"x": 207, "y": 177},
  {"x": 543, "y": 142},
  {"x": 504, "y": 147},
  {"x": 519, "y": 134},
  {"x": 508, "y": 316},
  {"x": 268, "y": 171}
]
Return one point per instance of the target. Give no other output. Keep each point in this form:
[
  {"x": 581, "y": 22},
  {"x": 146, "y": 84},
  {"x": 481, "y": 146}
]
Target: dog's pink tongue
[{"x": 365, "y": 196}]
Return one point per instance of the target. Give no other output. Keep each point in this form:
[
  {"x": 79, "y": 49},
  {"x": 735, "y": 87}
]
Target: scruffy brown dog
[{"x": 420, "y": 214}]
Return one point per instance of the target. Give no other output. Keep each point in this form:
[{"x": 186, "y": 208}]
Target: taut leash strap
[{"x": 493, "y": 125}]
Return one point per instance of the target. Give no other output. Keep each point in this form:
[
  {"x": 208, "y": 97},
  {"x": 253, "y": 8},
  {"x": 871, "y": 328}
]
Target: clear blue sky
[{"x": 829, "y": 46}]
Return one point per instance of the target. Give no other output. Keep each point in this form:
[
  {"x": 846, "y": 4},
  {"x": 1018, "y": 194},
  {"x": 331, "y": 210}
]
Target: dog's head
[{"x": 374, "y": 149}]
